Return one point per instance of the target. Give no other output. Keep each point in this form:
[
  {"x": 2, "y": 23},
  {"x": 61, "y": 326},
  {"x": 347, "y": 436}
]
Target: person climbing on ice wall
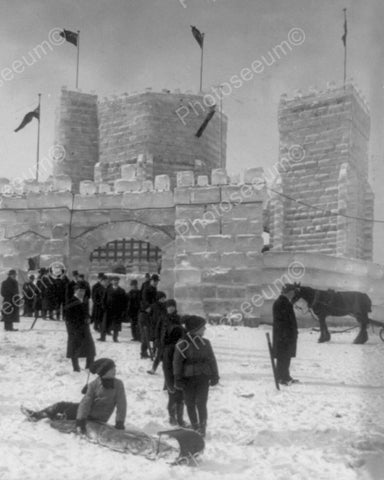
[
  {"x": 195, "y": 369},
  {"x": 102, "y": 396}
]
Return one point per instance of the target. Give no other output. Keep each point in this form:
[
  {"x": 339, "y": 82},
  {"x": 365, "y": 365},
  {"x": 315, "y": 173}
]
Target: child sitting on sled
[{"x": 101, "y": 397}]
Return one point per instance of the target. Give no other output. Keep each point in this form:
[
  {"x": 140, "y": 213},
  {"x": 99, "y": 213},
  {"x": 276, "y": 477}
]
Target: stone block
[
  {"x": 187, "y": 292},
  {"x": 190, "y": 308},
  {"x": 189, "y": 212},
  {"x": 182, "y": 195},
  {"x": 50, "y": 200},
  {"x": 191, "y": 244},
  {"x": 229, "y": 291},
  {"x": 46, "y": 261},
  {"x": 162, "y": 183},
  {"x": 204, "y": 259},
  {"x": 112, "y": 201},
  {"x": 54, "y": 246},
  {"x": 103, "y": 188},
  {"x": 7, "y": 247},
  {"x": 219, "y": 176},
  {"x": 128, "y": 172},
  {"x": 185, "y": 179},
  {"x": 205, "y": 195},
  {"x": 220, "y": 243},
  {"x": 31, "y": 186},
  {"x": 242, "y": 194},
  {"x": 248, "y": 242},
  {"x": 233, "y": 259},
  {"x": 14, "y": 202},
  {"x": 147, "y": 186},
  {"x": 202, "y": 180},
  {"x": 61, "y": 183},
  {"x": 86, "y": 202},
  {"x": 188, "y": 276},
  {"x": 254, "y": 175},
  {"x": 121, "y": 186},
  {"x": 236, "y": 226},
  {"x": 87, "y": 187}
]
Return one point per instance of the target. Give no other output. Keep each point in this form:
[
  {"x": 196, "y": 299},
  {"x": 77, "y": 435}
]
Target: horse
[{"x": 330, "y": 302}]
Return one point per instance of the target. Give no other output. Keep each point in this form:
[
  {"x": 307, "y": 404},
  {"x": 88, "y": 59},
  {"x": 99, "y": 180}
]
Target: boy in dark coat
[
  {"x": 172, "y": 334},
  {"x": 195, "y": 369},
  {"x": 133, "y": 308},
  {"x": 97, "y": 295},
  {"x": 115, "y": 304},
  {"x": 148, "y": 298},
  {"x": 102, "y": 396},
  {"x": 80, "y": 342},
  {"x": 284, "y": 335},
  {"x": 29, "y": 294},
  {"x": 11, "y": 301},
  {"x": 167, "y": 316}
]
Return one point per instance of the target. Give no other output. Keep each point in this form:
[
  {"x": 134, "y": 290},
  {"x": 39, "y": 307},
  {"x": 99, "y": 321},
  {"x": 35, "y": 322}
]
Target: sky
[{"x": 128, "y": 45}]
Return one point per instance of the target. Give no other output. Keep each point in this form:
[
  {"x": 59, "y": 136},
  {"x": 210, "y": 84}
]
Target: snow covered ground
[{"x": 330, "y": 426}]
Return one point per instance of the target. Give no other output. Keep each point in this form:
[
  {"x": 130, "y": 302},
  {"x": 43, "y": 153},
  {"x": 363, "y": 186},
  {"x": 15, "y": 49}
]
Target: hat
[
  {"x": 32, "y": 277},
  {"x": 175, "y": 333},
  {"x": 160, "y": 295},
  {"x": 193, "y": 322},
  {"x": 75, "y": 273},
  {"x": 42, "y": 271},
  {"x": 288, "y": 287},
  {"x": 171, "y": 303},
  {"x": 102, "y": 366},
  {"x": 81, "y": 285},
  {"x": 12, "y": 272},
  {"x": 100, "y": 276},
  {"x": 115, "y": 277},
  {"x": 155, "y": 277},
  {"x": 133, "y": 282}
]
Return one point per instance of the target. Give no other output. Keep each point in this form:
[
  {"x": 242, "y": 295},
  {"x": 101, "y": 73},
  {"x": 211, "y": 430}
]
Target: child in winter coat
[
  {"x": 195, "y": 369},
  {"x": 172, "y": 335},
  {"x": 168, "y": 317},
  {"x": 101, "y": 397}
]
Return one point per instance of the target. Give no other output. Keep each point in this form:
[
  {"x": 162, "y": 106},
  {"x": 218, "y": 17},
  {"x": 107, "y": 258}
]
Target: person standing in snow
[
  {"x": 149, "y": 297},
  {"x": 80, "y": 342},
  {"x": 101, "y": 398},
  {"x": 97, "y": 295},
  {"x": 133, "y": 308},
  {"x": 10, "y": 309},
  {"x": 195, "y": 369},
  {"x": 115, "y": 304},
  {"x": 284, "y": 334},
  {"x": 29, "y": 294},
  {"x": 167, "y": 316}
]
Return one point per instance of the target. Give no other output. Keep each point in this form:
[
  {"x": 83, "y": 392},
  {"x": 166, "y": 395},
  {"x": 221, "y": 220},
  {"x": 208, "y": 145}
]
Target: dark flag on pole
[
  {"x": 28, "y": 118},
  {"x": 344, "y": 37},
  {"x": 199, "y": 37},
  {"x": 69, "y": 36},
  {"x": 207, "y": 119}
]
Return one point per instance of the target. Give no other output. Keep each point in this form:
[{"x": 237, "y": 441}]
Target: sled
[{"x": 137, "y": 442}]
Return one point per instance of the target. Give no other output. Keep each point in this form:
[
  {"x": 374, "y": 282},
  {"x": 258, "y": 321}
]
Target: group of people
[{"x": 187, "y": 358}]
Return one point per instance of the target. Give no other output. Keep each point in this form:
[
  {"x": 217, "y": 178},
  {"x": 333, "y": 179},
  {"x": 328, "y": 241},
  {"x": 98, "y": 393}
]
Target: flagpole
[
  {"x": 78, "y": 55},
  {"x": 201, "y": 64},
  {"x": 345, "y": 46},
  {"x": 221, "y": 126},
  {"x": 38, "y": 140}
]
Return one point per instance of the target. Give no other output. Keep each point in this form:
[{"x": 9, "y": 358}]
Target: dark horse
[{"x": 329, "y": 302}]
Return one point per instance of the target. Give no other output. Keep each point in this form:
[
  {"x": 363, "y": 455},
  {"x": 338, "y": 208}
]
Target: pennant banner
[
  {"x": 206, "y": 121},
  {"x": 71, "y": 37},
  {"x": 199, "y": 37},
  {"x": 28, "y": 118}
]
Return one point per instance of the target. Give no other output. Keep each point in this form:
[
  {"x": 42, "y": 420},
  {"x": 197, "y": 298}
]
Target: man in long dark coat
[
  {"x": 71, "y": 285},
  {"x": 115, "y": 306},
  {"x": 97, "y": 295},
  {"x": 284, "y": 335},
  {"x": 29, "y": 294},
  {"x": 49, "y": 295},
  {"x": 148, "y": 298},
  {"x": 80, "y": 342},
  {"x": 11, "y": 301},
  {"x": 133, "y": 308}
]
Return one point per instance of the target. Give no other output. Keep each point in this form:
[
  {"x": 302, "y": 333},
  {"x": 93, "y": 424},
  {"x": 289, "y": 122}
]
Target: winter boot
[
  {"x": 202, "y": 428},
  {"x": 115, "y": 337},
  {"x": 172, "y": 420},
  {"x": 179, "y": 415}
]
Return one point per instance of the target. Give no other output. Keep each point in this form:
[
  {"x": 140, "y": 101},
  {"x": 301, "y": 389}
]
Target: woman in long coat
[
  {"x": 80, "y": 342},
  {"x": 284, "y": 335},
  {"x": 10, "y": 308}
]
